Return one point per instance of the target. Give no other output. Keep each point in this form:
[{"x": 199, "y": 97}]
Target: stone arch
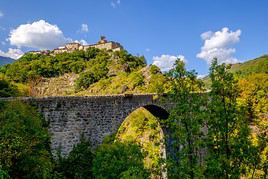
[
  {"x": 158, "y": 111},
  {"x": 161, "y": 114},
  {"x": 155, "y": 109}
]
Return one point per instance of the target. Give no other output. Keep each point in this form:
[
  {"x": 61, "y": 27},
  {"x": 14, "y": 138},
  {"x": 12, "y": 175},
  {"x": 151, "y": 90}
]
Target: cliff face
[{"x": 57, "y": 86}]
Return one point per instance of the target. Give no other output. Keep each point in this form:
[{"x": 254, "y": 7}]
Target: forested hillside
[{"x": 87, "y": 72}]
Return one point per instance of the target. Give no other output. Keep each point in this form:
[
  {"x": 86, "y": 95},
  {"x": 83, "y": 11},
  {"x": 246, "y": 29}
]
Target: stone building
[
  {"x": 102, "y": 44},
  {"x": 70, "y": 47},
  {"x": 44, "y": 52},
  {"x": 107, "y": 45}
]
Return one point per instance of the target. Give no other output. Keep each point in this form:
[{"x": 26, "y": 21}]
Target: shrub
[
  {"x": 7, "y": 89},
  {"x": 135, "y": 79},
  {"x": 97, "y": 70},
  {"x": 85, "y": 80}
]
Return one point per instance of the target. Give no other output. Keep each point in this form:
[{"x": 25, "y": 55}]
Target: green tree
[
  {"x": 134, "y": 173},
  {"x": 158, "y": 82},
  {"x": 78, "y": 164},
  {"x": 185, "y": 122},
  {"x": 129, "y": 61},
  {"x": 229, "y": 147},
  {"x": 24, "y": 142},
  {"x": 3, "y": 174},
  {"x": 118, "y": 160}
]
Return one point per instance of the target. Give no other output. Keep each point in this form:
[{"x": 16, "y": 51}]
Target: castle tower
[{"x": 102, "y": 40}]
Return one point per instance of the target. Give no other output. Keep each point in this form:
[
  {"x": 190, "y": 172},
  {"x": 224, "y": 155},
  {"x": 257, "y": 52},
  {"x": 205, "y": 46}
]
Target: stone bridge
[{"x": 94, "y": 117}]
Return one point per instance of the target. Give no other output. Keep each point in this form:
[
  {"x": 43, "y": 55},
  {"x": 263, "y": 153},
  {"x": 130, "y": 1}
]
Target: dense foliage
[
  {"x": 230, "y": 150},
  {"x": 24, "y": 142},
  {"x": 32, "y": 66},
  {"x": 119, "y": 160},
  {"x": 254, "y": 95},
  {"x": 78, "y": 164},
  {"x": 7, "y": 89},
  {"x": 214, "y": 138}
]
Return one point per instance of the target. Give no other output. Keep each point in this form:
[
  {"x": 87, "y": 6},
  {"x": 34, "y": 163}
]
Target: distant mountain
[{"x": 5, "y": 60}]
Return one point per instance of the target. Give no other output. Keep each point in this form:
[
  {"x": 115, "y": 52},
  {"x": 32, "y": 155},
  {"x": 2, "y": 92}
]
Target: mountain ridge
[{"x": 5, "y": 60}]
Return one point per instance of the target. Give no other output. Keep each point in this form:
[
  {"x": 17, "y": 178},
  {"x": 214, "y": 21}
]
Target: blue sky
[{"x": 233, "y": 30}]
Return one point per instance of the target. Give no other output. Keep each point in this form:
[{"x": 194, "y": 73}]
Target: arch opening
[{"x": 143, "y": 127}]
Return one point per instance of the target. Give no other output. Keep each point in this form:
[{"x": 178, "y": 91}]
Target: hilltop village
[{"x": 71, "y": 47}]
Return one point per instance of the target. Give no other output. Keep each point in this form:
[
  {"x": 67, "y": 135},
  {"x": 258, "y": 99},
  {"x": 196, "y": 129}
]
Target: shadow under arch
[{"x": 157, "y": 111}]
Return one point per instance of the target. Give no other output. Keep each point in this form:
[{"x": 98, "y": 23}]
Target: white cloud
[
  {"x": 219, "y": 45},
  {"x": 82, "y": 41},
  {"x": 166, "y": 62},
  {"x": 84, "y": 28},
  {"x": 12, "y": 53},
  {"x": 206, "y": 35},
  {"x": 40, "y": 34},
  {"x": 147, "y": 50},
  {"x": 1, "y": 14},
  {"x": 115, "y": 3},
  {"x": 202, "y": 76}
]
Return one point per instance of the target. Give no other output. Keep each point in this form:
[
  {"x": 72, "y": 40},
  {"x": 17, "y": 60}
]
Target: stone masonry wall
[{"x": 94, "y": 117}]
